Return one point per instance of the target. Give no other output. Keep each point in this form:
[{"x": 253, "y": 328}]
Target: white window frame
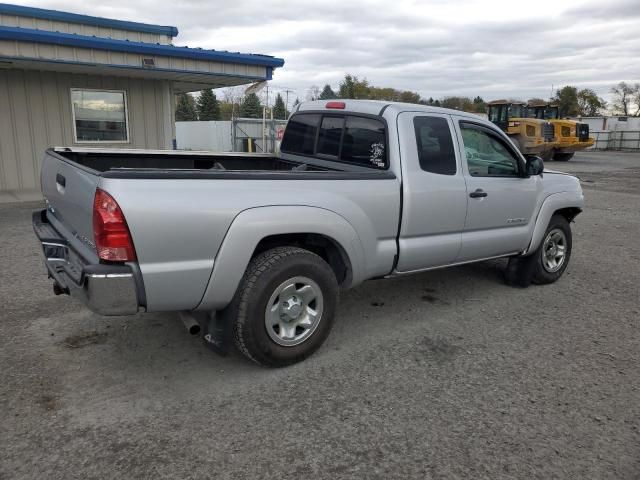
[{"x": 73, "y": 115}]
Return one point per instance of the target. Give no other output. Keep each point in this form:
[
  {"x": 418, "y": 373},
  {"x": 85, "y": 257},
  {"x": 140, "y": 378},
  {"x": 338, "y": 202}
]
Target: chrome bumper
[{"x": 106, "y": 289}]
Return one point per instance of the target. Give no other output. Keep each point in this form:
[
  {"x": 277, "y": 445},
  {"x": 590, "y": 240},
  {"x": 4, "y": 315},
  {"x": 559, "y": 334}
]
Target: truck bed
[
  {"x": 180, "y": 205},
  {"x": 101, "y": 161}
]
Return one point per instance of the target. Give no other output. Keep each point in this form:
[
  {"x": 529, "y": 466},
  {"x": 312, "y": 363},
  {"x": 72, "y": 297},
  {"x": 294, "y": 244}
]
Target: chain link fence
[
  {"x": 256, "y": 135},
  {"x": 617, "y": 140}
]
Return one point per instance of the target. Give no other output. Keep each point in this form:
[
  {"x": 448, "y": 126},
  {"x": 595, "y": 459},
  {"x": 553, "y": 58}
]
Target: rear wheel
[
  {"x": 562, "y": 157},
  {"x": 284, "y": 308}
]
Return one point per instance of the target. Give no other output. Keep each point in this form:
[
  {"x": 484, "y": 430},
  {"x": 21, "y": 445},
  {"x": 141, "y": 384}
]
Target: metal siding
[
  {"x": 22, "y": 129},
  {"x": 81, "y": 29},
  {"x": 136, "y": 115},
  {"x": 149, "y": 105},
  {"x": 36, "y": 114},
  {"x": 9, "y": 165}
]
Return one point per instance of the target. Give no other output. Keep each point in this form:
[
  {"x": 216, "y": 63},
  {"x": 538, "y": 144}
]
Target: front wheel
[
  {"x": 552, "y": 257},
  {"x": 284, "y": 308},
  {"x": 563, "y": 157},
  {"x": 548, "y": 262}
]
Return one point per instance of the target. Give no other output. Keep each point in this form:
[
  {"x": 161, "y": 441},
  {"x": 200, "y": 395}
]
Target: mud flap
[
  {"x": 519, "y": 272},
  {"x": 217, "y": 334}
]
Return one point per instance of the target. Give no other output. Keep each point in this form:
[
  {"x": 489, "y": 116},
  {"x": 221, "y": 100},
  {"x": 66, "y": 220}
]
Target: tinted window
[
  {"x": 487, "y": 155},
  {"x": 364, "y": 142},
  {"x": 435, "y": 146},
  {"x": 300, "y": 134},
  {"x": 329, "y": 136}
]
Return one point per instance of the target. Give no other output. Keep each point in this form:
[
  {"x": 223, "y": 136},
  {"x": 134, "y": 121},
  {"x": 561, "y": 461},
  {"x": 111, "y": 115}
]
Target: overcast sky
[{"x": 437, "y": 47}]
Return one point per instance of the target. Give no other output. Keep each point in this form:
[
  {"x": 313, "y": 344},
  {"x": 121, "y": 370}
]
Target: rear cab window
[
  {"x": 435, "y": 145},
  {"x": 300, "y": 135},
  {"x": 350, "y": 138}
]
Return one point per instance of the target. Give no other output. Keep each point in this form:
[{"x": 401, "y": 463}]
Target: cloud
[{"x": 437, "y": 48}]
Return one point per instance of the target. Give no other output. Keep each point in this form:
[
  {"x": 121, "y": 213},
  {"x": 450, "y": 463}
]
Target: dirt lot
[{"x": 448, "y": 374}]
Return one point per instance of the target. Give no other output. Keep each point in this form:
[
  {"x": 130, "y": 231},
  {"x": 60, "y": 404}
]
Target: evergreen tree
[
  {"x": 479, "y": 105},
  {"x": 186, "y": 108},
  {"x": 327, "y": 93},
  {"x": 250, "y": 107},
  {"x": 279, "y": 109},
  {"x": 351, "y": 87},
  {"x": 208, "y": 106}
]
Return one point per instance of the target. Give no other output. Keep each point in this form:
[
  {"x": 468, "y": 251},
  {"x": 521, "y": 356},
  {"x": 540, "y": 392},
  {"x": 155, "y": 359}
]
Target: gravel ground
[{"x": 448, "y": 374}]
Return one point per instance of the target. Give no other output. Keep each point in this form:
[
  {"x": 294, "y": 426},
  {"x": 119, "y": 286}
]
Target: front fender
[
  {"x": 252, "y": 225},
  {"x": 552, "y": 204}
]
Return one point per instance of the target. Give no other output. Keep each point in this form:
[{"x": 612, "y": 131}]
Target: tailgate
[{"x": 69, "y": 189}]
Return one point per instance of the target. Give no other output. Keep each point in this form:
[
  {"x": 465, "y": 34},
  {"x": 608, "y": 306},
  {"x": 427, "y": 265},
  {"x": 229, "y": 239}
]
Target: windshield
[
  {"x": 516, "y": 111},
  {"x": 497, "y": 113}
]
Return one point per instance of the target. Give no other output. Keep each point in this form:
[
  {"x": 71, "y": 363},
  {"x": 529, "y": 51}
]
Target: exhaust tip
[
  {"x": 194, "y": 329},
  {"x": 190, "y": 323}
]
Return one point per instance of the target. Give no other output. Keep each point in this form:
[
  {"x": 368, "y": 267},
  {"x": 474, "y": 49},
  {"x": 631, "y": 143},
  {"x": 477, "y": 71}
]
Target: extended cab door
[
  {"x": 502, "y": 200},
  {"x": 434, "y": 202}
]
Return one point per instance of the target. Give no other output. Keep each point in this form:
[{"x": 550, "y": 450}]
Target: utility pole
[{"x": 286, "y": 105}]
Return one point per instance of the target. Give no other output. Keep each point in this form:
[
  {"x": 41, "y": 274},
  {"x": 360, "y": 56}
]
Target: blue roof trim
[
  {"x": 98, "y": 43},
  {"x": 32, "y": 12},
  {"x": 132, "y": 67}
]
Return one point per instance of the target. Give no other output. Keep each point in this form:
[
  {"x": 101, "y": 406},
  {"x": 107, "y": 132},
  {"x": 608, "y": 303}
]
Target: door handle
[
  {"x": 60, "y": 180},
  {"x": 479, "y": 193}
]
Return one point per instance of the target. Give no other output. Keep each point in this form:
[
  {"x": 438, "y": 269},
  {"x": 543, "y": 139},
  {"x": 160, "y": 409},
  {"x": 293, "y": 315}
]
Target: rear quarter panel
[{"x": 178, "y": 225}]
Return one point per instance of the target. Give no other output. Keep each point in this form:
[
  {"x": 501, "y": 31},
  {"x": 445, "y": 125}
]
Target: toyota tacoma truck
[{"x": 264, "y": 244}]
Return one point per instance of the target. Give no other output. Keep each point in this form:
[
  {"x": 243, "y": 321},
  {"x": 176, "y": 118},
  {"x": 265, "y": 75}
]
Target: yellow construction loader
[
  {"x": 532, "y": 136},
  {"x": 569, "y": 136}
]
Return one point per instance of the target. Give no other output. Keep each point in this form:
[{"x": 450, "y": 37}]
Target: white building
[{"x": 68, "y": 79}]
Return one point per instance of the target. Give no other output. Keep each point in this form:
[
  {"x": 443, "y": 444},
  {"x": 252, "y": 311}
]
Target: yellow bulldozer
[
  {"x": 569, "y": 136},
  {"x": 532, "y": 136}
]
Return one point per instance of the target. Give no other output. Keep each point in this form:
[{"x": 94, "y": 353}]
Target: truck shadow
[{"x": 152, "y": 354}]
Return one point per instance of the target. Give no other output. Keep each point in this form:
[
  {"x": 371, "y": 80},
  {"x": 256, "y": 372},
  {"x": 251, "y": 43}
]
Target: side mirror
[{"x": 535, "y": 166}]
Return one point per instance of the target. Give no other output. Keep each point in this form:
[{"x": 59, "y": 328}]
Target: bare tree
[
  {"x": 625, "y": 97},
  {"x": 313, "y": 93}
]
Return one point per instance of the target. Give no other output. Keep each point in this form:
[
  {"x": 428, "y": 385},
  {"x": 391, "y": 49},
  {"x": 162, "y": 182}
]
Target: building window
[{"x": 99, "y": 116}]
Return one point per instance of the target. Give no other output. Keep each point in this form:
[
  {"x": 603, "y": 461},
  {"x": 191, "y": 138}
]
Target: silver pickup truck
[{"x": 361, "y": 190}]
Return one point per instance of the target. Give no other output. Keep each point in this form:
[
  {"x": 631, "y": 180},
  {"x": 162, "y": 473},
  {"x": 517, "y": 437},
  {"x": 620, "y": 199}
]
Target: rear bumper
[{"x": 105, "y": 289}]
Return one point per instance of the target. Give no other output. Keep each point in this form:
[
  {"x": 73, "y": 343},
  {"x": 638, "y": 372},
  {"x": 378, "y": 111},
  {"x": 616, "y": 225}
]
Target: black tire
[
  {"x": 563, "y": 157},
  {"x": 547, "y": 156},
  {"x": 265, "y": 273},
  {"x": 541, "y": 275},
  {"x": 522, "y": 271}
]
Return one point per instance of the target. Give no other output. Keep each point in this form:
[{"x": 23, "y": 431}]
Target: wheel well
[
  {"x": 327, "y": 248},
  {"x": 569, "y": 213}
]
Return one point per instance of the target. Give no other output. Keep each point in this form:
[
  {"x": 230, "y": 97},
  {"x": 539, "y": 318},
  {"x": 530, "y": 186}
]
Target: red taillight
[
  {"x": 339, "y": 105},
  {"x": 110, "y": 231}
]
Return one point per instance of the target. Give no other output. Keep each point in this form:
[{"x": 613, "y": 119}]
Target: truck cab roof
[{"x": 378, "y": 107}]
